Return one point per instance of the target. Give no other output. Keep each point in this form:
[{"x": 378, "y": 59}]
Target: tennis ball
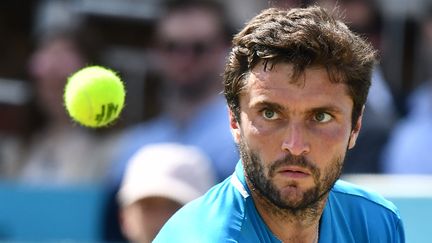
[{"x": 94, "y": 96}]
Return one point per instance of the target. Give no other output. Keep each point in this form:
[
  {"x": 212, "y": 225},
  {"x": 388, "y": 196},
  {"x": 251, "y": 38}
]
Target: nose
[{"x": 295, "y": 140}]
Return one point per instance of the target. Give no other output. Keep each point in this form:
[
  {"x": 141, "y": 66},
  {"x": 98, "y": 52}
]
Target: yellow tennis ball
[{"x": 94, "y": 96}]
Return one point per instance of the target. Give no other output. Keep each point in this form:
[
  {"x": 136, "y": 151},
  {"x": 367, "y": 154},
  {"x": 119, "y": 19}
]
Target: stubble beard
[{"x": 304, "y": 204}]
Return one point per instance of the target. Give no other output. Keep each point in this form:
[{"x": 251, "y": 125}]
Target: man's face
[
  {"x": 50, "y": 66},
  {"x": 293, "y": 136},
  {"x": 142, "y": 220},
  {"x": 191, "y": 47}
]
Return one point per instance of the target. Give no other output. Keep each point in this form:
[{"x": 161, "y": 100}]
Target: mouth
[{"x": 294, "y": 172}]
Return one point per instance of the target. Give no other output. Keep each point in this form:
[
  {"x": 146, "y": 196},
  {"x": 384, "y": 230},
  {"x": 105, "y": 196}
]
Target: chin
[
  {"x": 296, "y": 196},
  {"x": 292, "y": 195}
]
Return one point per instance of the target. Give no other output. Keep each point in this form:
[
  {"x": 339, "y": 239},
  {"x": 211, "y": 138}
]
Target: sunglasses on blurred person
[{"x": 195, "y": 48}]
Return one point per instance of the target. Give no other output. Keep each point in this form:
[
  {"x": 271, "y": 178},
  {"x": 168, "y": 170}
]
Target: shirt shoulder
[
  {"x": 357, "y": 214},
  {"x": 217, "y": 216},
  {"x": 364, "y": 196}
]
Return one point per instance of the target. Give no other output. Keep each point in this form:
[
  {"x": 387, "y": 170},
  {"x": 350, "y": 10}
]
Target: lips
[{"x": 294, "y": 171}]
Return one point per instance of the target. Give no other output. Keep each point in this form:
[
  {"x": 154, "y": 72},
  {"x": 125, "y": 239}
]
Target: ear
[
  {"x": 356, "y": 130},
  {"x": 234, "y": 126}
]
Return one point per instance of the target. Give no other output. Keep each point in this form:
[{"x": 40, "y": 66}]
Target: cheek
[
  {"x": 329, "y": 142},
  {"x": 338, "y": 136},
  {"x": 255, "y": 132},
  {"x": 257, "y": 126},
  {"x": 263, "y": 140},
  {"x": 330, "y": 134},
  {"x": 133, "y": 223}
]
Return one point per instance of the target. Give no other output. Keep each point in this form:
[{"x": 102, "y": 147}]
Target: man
[
  {"x": 191, "y": 46},
  {"x": 58, "y": 151},
  {"x": 296, "y": 82},
  {"x": 364, "y": 17},
  {"x": 160, "y": 178}
]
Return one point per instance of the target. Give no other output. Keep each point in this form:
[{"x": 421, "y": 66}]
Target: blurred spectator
[
  {"x": 159, "y": 179},
  {"x": 59, "y": 152},
  {"x": 10, "y": 148},
  {"x": 190, "y": 45},
  {"x": 408, "y": 149},
  {"x": 14, "y": 91},
  {"x": 423, "y": 62},
  {"x": 364, "y": 17},
  {"x": 13, "y": 129},
  {"x": 190, "y": 49}
]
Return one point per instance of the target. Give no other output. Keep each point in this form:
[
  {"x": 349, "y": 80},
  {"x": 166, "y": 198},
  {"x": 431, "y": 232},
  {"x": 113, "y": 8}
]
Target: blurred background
[{"x": 59, "y": 181}]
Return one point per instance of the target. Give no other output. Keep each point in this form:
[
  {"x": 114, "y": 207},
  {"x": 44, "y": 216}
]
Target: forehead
[
  {"x": 190, "y": 23},
  {"x": 312, "y": 87}
]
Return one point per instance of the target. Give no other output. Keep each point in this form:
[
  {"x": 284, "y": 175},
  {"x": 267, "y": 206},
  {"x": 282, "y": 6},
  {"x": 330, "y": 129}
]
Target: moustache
[{"x": 290, "y": 160}]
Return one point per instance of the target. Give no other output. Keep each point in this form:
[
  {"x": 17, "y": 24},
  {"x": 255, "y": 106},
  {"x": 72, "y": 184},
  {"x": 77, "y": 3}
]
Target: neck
[{"x": 290, "y": 225}]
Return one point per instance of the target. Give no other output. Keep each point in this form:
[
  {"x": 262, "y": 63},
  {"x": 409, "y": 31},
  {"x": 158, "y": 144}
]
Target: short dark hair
[
  {"x": 303, "y": 37},
  {"x": 212, "y": 6}
]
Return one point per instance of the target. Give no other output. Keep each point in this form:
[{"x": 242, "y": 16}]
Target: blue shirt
[
  {"x": 208, "y": 130},
  {"x": 226, "y": 213}
]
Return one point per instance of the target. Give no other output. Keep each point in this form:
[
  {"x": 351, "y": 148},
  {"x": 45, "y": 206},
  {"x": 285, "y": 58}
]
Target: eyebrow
[
  {"x": 278, "y": 107},
  {"x": 271, "y": 105},
  {"x": 331, "y": 109}
]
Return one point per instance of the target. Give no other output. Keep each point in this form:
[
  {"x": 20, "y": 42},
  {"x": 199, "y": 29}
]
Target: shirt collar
[{"x": 238, "y": 180}]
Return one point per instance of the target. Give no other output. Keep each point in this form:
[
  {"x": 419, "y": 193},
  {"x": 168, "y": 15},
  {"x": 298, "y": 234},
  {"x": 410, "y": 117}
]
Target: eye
[
  {"x": 269, "y": 114},
  {"x": 322, "y": 117}
]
